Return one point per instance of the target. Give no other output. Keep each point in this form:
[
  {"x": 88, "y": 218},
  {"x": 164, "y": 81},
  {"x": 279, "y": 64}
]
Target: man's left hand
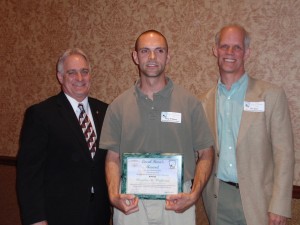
[
  {"x": 275, "y": 219},
  {"x": 179, "y": 202}
]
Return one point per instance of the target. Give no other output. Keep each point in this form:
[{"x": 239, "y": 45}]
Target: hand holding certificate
[{"x": 152, "y": 175}]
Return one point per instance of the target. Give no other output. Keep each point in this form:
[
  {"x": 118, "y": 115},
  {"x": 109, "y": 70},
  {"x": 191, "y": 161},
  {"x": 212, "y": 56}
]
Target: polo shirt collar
[{"x": 165, "y": 92}]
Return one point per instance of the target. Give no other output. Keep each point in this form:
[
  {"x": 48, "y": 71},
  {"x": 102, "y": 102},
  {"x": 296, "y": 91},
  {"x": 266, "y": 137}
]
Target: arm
[
  {"x": 124, "y": 202},
  {"x": 40, "y": 223},
  {"x": 277, "y": 219},
  {"x": 283, "y": 158},
  {"x": 30, "y": 168},
  {"x": 182, "y": 201}
]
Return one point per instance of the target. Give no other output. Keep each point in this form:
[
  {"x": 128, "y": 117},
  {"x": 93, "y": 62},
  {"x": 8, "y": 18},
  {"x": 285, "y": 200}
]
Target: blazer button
[
  {"x": 218, "y": 154},
  {"x": 215, "y": 196}
]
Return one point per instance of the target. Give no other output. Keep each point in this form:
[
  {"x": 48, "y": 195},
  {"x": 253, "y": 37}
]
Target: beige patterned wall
[{"x": 34, "y": 33}]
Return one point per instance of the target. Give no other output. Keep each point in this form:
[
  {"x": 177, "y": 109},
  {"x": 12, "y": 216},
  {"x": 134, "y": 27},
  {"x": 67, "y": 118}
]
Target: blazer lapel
[
  {"x": 252, "y": 95},
  {"x": 211, "y": 113}
]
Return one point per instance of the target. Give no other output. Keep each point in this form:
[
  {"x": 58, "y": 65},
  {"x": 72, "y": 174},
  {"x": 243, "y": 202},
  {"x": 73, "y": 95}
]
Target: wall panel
[{"x": 34, "y": 33}]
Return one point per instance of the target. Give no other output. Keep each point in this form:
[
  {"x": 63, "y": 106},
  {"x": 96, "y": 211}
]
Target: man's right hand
[
  {"x": 126, "y": 203},
  {"x": 41, "y": 223}
]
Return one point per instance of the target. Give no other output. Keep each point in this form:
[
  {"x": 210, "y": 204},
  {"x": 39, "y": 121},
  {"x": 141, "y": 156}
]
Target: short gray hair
[
  {"x": 246, "y": 34},
  {"x": 68, "y": 52}
]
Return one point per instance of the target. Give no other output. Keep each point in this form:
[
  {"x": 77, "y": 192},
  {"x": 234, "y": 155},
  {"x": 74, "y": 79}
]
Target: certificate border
[{"x": 178, "y": 157}]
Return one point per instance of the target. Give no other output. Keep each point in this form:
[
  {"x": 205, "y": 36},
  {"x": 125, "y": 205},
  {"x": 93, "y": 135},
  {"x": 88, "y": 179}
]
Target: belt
[{"x": 232, "y": 184}]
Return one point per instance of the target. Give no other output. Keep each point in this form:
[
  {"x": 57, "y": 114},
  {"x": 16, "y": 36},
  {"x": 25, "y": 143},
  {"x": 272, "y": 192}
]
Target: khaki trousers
[
  {"x": 152, "y": 212},
  {"x": 230, "y": 209}
]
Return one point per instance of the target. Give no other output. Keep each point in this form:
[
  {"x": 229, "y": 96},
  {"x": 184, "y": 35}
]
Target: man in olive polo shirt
[{"x": 156, "y": 115}]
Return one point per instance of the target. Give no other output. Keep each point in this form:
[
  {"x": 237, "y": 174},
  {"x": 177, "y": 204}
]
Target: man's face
[
  {"x": 231, "y": 52},
  {"x": 151, "y": 55},
  {"x": 76, "y": 78}
]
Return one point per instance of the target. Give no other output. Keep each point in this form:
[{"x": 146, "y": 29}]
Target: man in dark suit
[{"x": 60, "y": 177}]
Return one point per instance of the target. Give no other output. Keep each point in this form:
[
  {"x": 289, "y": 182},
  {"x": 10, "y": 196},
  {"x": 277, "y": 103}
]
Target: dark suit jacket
[{"x": 55, "y": 171}]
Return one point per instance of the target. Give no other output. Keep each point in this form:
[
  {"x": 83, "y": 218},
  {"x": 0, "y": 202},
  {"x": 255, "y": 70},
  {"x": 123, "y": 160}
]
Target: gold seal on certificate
[{"x": 152, "y": 175}]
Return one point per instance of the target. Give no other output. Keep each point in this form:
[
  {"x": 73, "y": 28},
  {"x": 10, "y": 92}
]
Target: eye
[
  {"x": 144, "y": 51},
  {"x": 160, "y": 50},
  {"x": 84, "y": 72},
  {"x": 223, "y": 47},
  {"x": 237, "y": 48},
  {"x": 71, "y": 72}
]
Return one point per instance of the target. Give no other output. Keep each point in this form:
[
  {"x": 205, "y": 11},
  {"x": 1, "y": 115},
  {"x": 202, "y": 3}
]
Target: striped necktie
[{"x": 87, "y": 130}]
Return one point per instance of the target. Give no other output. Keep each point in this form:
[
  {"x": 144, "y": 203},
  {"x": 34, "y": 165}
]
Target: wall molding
[
  {"x": 12, "y": 161},
  {"x": 296, "y": 192},
  {"x": 8, "y": 160}
]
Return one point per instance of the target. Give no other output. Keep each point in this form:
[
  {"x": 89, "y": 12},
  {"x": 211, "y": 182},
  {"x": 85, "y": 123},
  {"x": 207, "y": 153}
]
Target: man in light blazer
[
  {"x": 252, "y": 177},
  {"x": 59, "y": 180}
]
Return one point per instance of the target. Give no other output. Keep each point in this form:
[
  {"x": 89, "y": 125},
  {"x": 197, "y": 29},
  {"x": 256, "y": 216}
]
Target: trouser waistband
[{"x": 231, "y": 183}]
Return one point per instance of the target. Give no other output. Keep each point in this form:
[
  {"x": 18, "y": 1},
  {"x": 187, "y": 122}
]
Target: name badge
[
  {"x": 254, "y": 106},
  {"x": 170, "y": 117}
]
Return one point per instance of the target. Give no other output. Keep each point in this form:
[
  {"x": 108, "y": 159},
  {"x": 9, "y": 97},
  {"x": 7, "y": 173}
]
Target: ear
[
  {"x": 60, "y": 77},
  {"x": 247, "y": 53},
  {"x": 215, "y": 51},
  {"x": 168, "y": 58},
  {"x": 135, "y": 57}
]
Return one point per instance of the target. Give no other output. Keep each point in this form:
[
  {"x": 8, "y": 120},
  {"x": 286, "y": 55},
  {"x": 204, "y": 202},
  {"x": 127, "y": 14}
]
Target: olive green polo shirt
[{"x": 173, "y": 122}]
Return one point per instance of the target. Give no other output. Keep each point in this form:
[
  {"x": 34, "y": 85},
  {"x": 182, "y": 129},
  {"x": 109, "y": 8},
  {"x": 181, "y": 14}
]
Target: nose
[
  {"x": 79, "y": 76},
  {"x": 152, "y": 55},
  {"x": 229, "y": 50}
]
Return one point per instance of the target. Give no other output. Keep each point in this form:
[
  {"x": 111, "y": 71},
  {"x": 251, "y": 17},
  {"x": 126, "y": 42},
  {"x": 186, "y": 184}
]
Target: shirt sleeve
[
  {"x": 111, "y": 130},
  {"x": 202, "y": 137}
]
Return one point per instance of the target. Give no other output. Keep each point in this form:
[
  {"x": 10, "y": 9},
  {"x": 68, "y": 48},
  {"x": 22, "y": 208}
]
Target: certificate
[{"x": 152, "y": 175}]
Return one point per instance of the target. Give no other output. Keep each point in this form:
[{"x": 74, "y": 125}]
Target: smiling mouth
[
  {"x": 152, "y": 65},
  {"x": 229, "y": 60},
  {"x": 79, "y": 85}
]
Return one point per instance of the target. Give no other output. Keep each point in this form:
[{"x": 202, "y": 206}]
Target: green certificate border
[{"x": 126, "y": 156}]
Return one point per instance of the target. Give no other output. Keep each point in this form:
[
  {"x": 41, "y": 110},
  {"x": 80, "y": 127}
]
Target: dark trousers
[{"x": 94, "y": 217}]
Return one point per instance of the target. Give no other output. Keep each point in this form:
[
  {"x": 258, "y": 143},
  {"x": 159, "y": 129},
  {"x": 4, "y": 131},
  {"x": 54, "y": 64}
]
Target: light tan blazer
[{"x": 264, "y": 153}]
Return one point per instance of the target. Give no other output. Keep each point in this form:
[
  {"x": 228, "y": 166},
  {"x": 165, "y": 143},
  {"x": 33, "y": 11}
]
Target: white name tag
[
  {"x": 254, "y": 106},
  {"x": 170, "y": 117}
]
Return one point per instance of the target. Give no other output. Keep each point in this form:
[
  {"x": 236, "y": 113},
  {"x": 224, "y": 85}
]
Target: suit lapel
[
  {"x": 95, "y": 114},
  {"x": 69, "y": 116}
]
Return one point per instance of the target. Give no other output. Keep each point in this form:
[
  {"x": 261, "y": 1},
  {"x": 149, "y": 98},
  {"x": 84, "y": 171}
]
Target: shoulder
[
  {"x": 124, "y": 98},
  {"x": 127, "y": 93},
  {"x": 182, "y": 93},
  {"x": 185, "y": 100},
  {"x": 122, "y": 103},
  {"x": 263, "y": 86},
  {"x": 206, "y": 96},
  {"x": 43, "y": 110},
  {"x": 97, "y": 102},
  {"x": 273, "y": 95},
  {"x": 45, "y": 104}
]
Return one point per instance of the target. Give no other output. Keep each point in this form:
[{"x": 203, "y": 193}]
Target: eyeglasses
[{"x": 73, "y": 73}]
